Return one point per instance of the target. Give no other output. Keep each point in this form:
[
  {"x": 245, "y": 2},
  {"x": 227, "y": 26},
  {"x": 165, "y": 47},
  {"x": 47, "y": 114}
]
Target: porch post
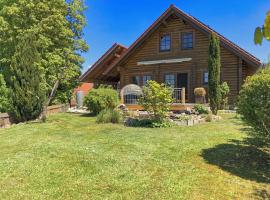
[{"x": 183, "y": 95}]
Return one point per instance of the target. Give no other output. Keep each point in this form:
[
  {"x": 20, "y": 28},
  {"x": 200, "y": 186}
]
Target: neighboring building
[
  {"x": 80, "y": 92},
  {"x": 173, "y": 50}
]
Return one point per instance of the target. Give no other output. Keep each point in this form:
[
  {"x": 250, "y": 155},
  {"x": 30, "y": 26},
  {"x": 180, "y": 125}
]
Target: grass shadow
[
  {"x": 262, "y": 194},
  {"x": 241, "y": 159}
]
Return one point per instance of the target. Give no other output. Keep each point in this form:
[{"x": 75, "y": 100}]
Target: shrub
[
  {"x": 4, "y": 96},
  {"x": 156, "y": 99},
  {"x": 214, "y": 73},
  {"x": 224, "y": 92},
  {"x": 109, "y": 116},
  {"x": 199, "y": 92},
  {"x": 201, "y": 109},
  {"x": 209, "y": 118},
  {"x": 103, "y": 98},
  {"x": 147, "y": 123},
  {"x": 254, "y": 103}
]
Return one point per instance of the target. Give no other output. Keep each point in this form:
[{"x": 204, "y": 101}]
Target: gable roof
[
  {"x": 246, "y": 56},
  {"x": 110, "y": 56}
]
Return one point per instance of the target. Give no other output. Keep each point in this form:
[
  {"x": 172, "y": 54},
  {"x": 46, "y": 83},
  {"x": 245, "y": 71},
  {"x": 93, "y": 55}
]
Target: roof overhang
[{"x": 167, "y": 61}]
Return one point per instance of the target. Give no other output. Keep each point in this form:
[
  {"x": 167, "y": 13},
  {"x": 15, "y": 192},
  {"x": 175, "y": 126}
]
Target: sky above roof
[{"x": 124, "y": 21}]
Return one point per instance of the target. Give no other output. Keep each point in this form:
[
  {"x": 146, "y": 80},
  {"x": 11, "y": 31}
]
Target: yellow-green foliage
[
  {"x": 264, "y": 31},
  {"x": 156, "y": 99}
]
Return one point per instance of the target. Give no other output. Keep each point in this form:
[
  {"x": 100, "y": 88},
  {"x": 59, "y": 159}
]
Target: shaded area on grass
[
  {"x": 245, "y": 159},
  {"x": 262, "y": 194}
]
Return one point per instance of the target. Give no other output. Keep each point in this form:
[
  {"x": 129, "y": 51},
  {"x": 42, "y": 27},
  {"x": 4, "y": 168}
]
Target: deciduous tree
[{"x": 263, "y": 32}]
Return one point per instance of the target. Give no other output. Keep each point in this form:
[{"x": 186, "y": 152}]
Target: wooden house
[{"x": 173, "y": 50}]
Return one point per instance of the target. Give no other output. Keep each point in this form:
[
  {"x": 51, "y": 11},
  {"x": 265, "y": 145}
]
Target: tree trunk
[{"x": 43, "y": 114}]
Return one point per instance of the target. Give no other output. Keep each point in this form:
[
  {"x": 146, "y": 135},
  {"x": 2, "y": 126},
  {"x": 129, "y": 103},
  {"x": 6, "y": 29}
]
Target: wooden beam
[
  {"x": 154, "y": 62},
  {"x": 240, "y": 73}
]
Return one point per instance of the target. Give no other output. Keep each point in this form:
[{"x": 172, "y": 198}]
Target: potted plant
[{"x": 200, "y": 95}]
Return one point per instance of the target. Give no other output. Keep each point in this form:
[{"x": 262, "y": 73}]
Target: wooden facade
[{"x": 236, "y": 63}]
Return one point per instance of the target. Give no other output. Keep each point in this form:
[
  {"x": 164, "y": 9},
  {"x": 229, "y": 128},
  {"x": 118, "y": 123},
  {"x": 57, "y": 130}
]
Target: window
[
  {"x": 170, "y": 80},
  {"x": 136, "y": 80},
  {"x": 165, "y": 43},
  {"x": 146, "y": 78},
  {"x": 205, "y": 77},
  {"x": 187, "y": 40}
]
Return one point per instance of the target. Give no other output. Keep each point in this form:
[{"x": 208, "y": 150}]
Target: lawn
[{"x": 72, "y": 157}]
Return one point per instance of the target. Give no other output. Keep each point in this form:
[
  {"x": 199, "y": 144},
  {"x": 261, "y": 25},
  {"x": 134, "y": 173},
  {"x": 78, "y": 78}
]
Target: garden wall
[{"x": 5, "y": 120}]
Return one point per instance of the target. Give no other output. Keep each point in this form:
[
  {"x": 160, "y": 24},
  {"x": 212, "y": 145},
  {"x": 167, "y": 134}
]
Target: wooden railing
[{"x": 179, "y": 96}]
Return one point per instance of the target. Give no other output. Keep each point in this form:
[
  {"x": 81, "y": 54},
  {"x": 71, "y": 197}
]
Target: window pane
[
  {"x": 170, "y": 80},
  {"x": 187, "y": 40},
  {"x": 136, "y": 80},
  {"x": 146, "y": 78},
  {"x": 205, "y": 77},
  {"x": 165, "y": 43}
]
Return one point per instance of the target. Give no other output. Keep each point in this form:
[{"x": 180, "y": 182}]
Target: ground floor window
[
  {"x": 136, "y": 80},
  {"x": 205, "y": 78},
  {"x": 170, "y": 80},
  {"x": 146, "y": 78}
]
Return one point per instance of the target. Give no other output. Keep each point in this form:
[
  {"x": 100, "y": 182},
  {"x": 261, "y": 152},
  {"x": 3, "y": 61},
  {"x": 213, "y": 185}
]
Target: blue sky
[{"x": 123, "y": 21}]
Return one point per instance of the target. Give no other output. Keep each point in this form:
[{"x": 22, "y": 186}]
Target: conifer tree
[
  {"x": 26, "y": 80},
  {"x": 4, "y": 95},
  {"x": 214, "y": 73}
]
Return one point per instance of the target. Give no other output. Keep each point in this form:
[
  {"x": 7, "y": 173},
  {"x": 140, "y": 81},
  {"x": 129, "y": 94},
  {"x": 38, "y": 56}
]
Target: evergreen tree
[
  {"x": 214, "y": 73},
  {"x": 4, "y": 95},
  {"x": 26, "y": 80}
]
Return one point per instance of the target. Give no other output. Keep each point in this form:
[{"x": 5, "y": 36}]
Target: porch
[{"x": 130, "y": 99}]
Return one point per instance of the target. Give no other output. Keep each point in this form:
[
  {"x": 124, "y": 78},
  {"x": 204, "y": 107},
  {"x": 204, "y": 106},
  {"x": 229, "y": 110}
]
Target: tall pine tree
[
  {"x": 26, "y": 80},
  {"x": 214, "y": 73}
]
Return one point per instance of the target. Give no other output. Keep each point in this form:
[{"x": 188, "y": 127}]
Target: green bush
[
  {"x": 147, "y": 123},
  {"x": 201, "y": 109},
  {"x": 109, "y": 116},
  {"x": 156, "y": 99},
  {"x": 224, "y": 92},
  {"x": 254, "y": 103},
  {"x": 103, "y": 98},
  {"x": 4, "y": 96}
]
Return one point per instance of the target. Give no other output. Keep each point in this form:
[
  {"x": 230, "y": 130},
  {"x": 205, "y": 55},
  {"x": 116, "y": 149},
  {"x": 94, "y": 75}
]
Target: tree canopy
[
  {"x": 263, "y": 32},
  {"x": 58, "y": 27}
]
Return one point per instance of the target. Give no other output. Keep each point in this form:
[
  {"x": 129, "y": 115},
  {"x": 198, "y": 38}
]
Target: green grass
[{"x": 72, "y": 157}]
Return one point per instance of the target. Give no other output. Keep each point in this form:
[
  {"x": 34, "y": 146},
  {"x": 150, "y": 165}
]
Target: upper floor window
[
  {"x": 165, "y": 43},
  {"x": 146, "y": 78},
  {"x": 136, "y": 80},
  {"x": 205, "y": 77},
  {"x": 187, "y": 40},
  {"x": 170, "y": 80}
]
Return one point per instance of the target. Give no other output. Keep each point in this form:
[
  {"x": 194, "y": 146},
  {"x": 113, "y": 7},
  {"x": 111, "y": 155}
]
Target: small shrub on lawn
[
  {"x": 103, "y": 98},
  {"x": 109, "y": 116},
  {"x": 254, "y": 103},
  {"x": 224, "y": 92},
  {"x": 201, "y": 109},
  {"x": 156, "y": 99}
]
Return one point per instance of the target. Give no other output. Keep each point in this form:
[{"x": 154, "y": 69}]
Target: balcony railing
[{"x": 178, "y": 96}]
